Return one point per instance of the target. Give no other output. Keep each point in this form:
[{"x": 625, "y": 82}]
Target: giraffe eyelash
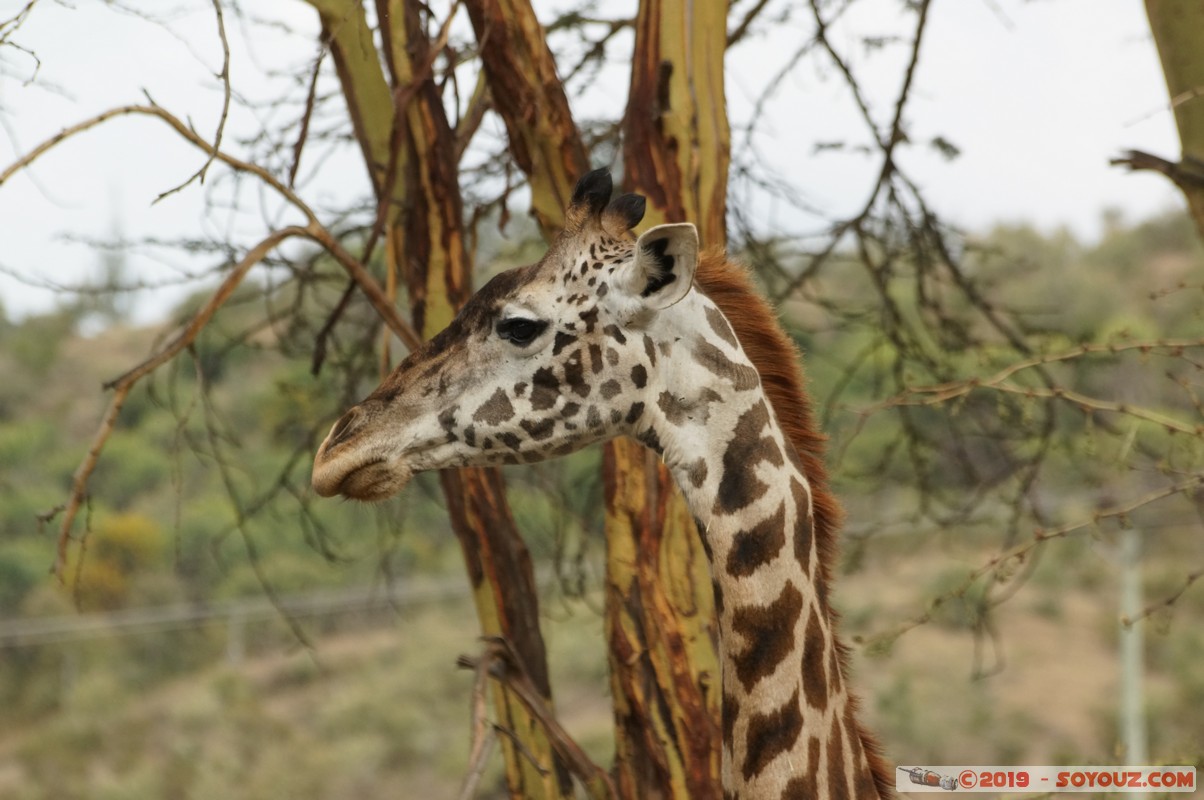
[{"x": 521, "y": 331}]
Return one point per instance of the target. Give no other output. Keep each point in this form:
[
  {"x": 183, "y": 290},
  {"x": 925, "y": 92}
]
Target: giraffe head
[{"x": 542, "y": 361}]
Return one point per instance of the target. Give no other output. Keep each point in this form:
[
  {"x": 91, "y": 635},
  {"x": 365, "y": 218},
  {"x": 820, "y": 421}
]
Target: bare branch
[
  {"x": 314, "y": 230},
  {"x": 224, "y": 77},
  {"x": 501, "y": 663},
  {"x": 1165, "y": 602},
  {"x": 122, "y": 385},
  {"x": 943, "y": 393},
  {"x": 1185, "y": 174},
  {"x": 483, "y": 733},
  {"x": 1025, "y": 550}
]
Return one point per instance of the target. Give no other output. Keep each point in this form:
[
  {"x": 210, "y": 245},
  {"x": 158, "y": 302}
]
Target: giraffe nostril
[{"x": 344, "y": 429}]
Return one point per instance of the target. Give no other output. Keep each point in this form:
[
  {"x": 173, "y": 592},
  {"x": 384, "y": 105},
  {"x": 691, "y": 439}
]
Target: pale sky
[{"x": 1037, "y": 95}]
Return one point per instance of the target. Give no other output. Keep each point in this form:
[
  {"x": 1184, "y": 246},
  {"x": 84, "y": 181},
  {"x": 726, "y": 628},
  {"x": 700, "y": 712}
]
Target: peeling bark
[{"x": 531, "y": 101}]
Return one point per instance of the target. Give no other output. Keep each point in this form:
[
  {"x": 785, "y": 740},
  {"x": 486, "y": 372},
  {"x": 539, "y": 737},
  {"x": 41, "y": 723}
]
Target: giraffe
[{"x": 612, "y": 335}]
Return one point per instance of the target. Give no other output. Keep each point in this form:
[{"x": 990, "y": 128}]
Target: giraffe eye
[{"x": 520, "y": 331}]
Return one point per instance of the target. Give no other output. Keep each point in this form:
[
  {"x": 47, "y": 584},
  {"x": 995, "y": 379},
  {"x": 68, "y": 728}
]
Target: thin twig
[
  {"x": 1025, "y": 550},
  {"x": 502, "y": 664},
  {"x": 1165, "y": 602},
  {"x": 224, "y": 77},
  {"x": 122, "y": 385},
  {"x": 303, "y": 133},
  {"x": 483, "y": 732},
  {"x": 314, "y": 230}
]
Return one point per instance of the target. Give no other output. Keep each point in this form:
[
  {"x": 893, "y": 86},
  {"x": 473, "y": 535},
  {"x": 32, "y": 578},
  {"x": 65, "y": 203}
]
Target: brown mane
[{"x": 778, "y": 361}]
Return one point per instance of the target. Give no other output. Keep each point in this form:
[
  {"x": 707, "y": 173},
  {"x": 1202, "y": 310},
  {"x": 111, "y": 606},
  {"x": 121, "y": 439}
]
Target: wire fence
[{"x": 34, "y": 631}]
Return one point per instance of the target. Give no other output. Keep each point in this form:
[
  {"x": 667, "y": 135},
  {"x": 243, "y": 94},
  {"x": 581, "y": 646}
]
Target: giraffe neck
[{"x": 788, "y": 725}]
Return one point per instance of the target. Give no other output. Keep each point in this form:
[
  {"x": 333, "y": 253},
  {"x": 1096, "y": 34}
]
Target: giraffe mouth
[{"x": 370, "y": 481}]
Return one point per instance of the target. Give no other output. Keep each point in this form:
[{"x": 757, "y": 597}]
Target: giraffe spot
[
  {"x": 815, "y": 666},
  {"x": 610, "y": 388},
  {"x": 613, "y": 332},
  {"x": 494, "y": 411},
  {"x": 595, "y": 359},
  {"x": 770, "y": 735},
  {"x": 562, "y": 341},
  {"x": 697, "y": 473},
  {"x": 570, "y": 410},
  {"x": 593, "y": 419},
  {"x": 616, "y": 416},
  {"x": 511, "y": 440},
  {"x": 584, "y": 267},
  {"x": 603, "y": 289},
  {"x": 470, "y": 436},
  {"x": 639, "y": 376},
  {"x": 432, "y": 370},
  {"x": 673, "y": 408},
  {"x": 757, "y": 546},
  {"x": 487, "y": 444},
  {"x": 720, "y": 326},
  {"x": 544, "y": 389},
  {"x": 742, "y": 376},
  {"x": 519, "y": 388},
  {"x": 802, "y": 524},
  {"x": 678, "y": 410},
  {"x": 730, "y": 710},
  {"x": 838, "y": 780},
  {"x": 564, "y": 449},
  {"x": 739, "y": 484},
  {"x": 597, "y": 265},
  {"x": 804, "y": 785},
  {"x": 635, "y": 412},
  {"x": 590, "y": 318},
  {"x": 447, "y": 421},
  {"x": 539, "y": 430},
  {"x": 650, "y": 349},
  {"x": 612, "y": 356},
  {"x": 651, "y": 440},
  {"x": 574, "y": 375},
  {"x": 768, "y": 633}
]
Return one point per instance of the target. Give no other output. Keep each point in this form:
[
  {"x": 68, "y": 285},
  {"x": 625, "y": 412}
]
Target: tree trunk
[
  {"x": 659, "y": 602},
  {"x": 1178, "y": 28},
  {"x": 660, "y": 606},
  {"x": 530, "y": 99},
  {"x": 410, "y": 152}
]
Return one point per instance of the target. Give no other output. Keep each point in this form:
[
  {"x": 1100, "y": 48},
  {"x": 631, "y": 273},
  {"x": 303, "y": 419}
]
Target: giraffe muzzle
[{"x": 347, "y": 465}]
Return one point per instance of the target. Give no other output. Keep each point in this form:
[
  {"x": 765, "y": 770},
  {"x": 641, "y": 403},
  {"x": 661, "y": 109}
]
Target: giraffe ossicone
[{"x": 611, "y": 334}]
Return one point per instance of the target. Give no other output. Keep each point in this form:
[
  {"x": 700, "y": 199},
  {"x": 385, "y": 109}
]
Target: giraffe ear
[{"x": 663, "y": 268}]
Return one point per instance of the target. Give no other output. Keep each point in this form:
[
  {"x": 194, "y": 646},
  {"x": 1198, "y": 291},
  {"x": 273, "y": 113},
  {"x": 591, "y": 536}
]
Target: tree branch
[
  {"x": 314, "y": 229},
  {"x": 122, "y": 385}
]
